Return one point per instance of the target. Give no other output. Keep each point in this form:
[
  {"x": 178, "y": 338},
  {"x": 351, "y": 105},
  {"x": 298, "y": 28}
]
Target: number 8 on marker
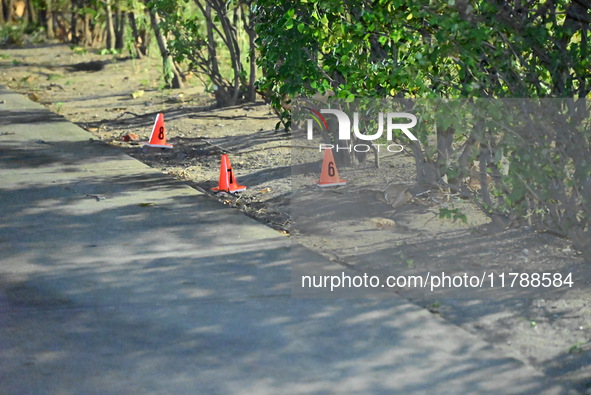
[{"x": 161, "y": 133}]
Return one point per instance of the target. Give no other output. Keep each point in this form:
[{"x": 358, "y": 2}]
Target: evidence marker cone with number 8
[
  {"x": 227, "y": 182},
  {"x": 158, "y": 137},
  {"x": 329, "y": 177}
]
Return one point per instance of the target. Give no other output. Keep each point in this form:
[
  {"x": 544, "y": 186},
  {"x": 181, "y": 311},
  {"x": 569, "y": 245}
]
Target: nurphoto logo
[{"x": 393, "y": 122}]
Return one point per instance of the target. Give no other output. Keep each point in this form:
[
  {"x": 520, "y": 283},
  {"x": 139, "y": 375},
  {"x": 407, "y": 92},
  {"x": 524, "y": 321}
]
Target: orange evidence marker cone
[
  {"x": 329, "y": 177},
  {"x": 227, "y": 180},
  {"x": 158, "y": 137}
]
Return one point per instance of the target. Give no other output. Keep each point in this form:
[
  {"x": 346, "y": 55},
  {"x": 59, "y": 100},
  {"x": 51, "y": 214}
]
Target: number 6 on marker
[{"x": 331, "y": 169}]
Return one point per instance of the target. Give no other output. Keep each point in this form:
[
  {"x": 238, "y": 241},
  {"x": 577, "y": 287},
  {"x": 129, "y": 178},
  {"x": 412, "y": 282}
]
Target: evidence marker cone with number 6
[
  {"x": 158, "y": 137},
  {"x": 329, "y": 177},
  {"x": 227, "y": 182}
]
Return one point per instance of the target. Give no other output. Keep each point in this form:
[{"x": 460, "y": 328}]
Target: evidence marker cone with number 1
[
  {"x": 158, "y": 137},
  {"x": 227, "y": 180},
  {"x": 329, "y": 177}
]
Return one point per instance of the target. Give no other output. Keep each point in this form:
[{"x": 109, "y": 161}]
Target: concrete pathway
[{"x": 116, "y": 279}]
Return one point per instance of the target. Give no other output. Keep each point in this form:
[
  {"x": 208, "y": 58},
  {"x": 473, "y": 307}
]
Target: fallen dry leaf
[
  {"x": 130, "y": 137},
  {"x": 33, "y": 96},
  {"x": 382, "y": 223}
]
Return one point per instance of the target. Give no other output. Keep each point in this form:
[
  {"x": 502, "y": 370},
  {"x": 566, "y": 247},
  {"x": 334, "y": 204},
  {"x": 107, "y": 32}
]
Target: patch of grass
[
  {"x": 78, "y": 50},
  {"x": 20, "y": 34},
  {"x": 4, "y": 56},
  {"x": 58, "y": 107},
  {"x": 53, "y": 77},
  {"x": 26, "y": 80},
  {"x": 434, "y": 307},
  {"x": 113, "y": 51},
  {"x": 410, "y": 263},
  {"x": 12, "y": 35},
  {"x": 453, "y": 214},
  {"x": 576, "y": 348}
]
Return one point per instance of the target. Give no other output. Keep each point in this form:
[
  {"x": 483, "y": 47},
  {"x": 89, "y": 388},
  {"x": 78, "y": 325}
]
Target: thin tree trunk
[
  {"x": 171, "y": 74},
  {"x": 251, "y": 94},
  {"x": 100, "y": 36},
  {"x": 427, "y": 174},
  {"x": 233, "y": 47},
  {"x": 110, "y": 27},
  {"x": 88, "y": 36},
  {"x": 236, "y": 63},
  {"x": 138, "y": 43},
  {"x": 8, "y": 10},
  {"x": 31, "y": 17},
  {"x": 484, "y": 158},
  {"x": 120, "y": 30},
  {"x": 74, "y": 23},
  {"x": 49, "y": 19},
  {"x": 221, "y": 95},
  {"x": 444, "y": 148}
]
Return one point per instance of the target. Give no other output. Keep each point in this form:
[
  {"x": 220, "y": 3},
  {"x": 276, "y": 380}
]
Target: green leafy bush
[{"x": 455, "y": 49}]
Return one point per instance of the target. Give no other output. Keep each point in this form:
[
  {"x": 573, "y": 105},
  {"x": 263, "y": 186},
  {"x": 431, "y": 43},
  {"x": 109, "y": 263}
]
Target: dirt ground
[{"x": 350, "y": 225}]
